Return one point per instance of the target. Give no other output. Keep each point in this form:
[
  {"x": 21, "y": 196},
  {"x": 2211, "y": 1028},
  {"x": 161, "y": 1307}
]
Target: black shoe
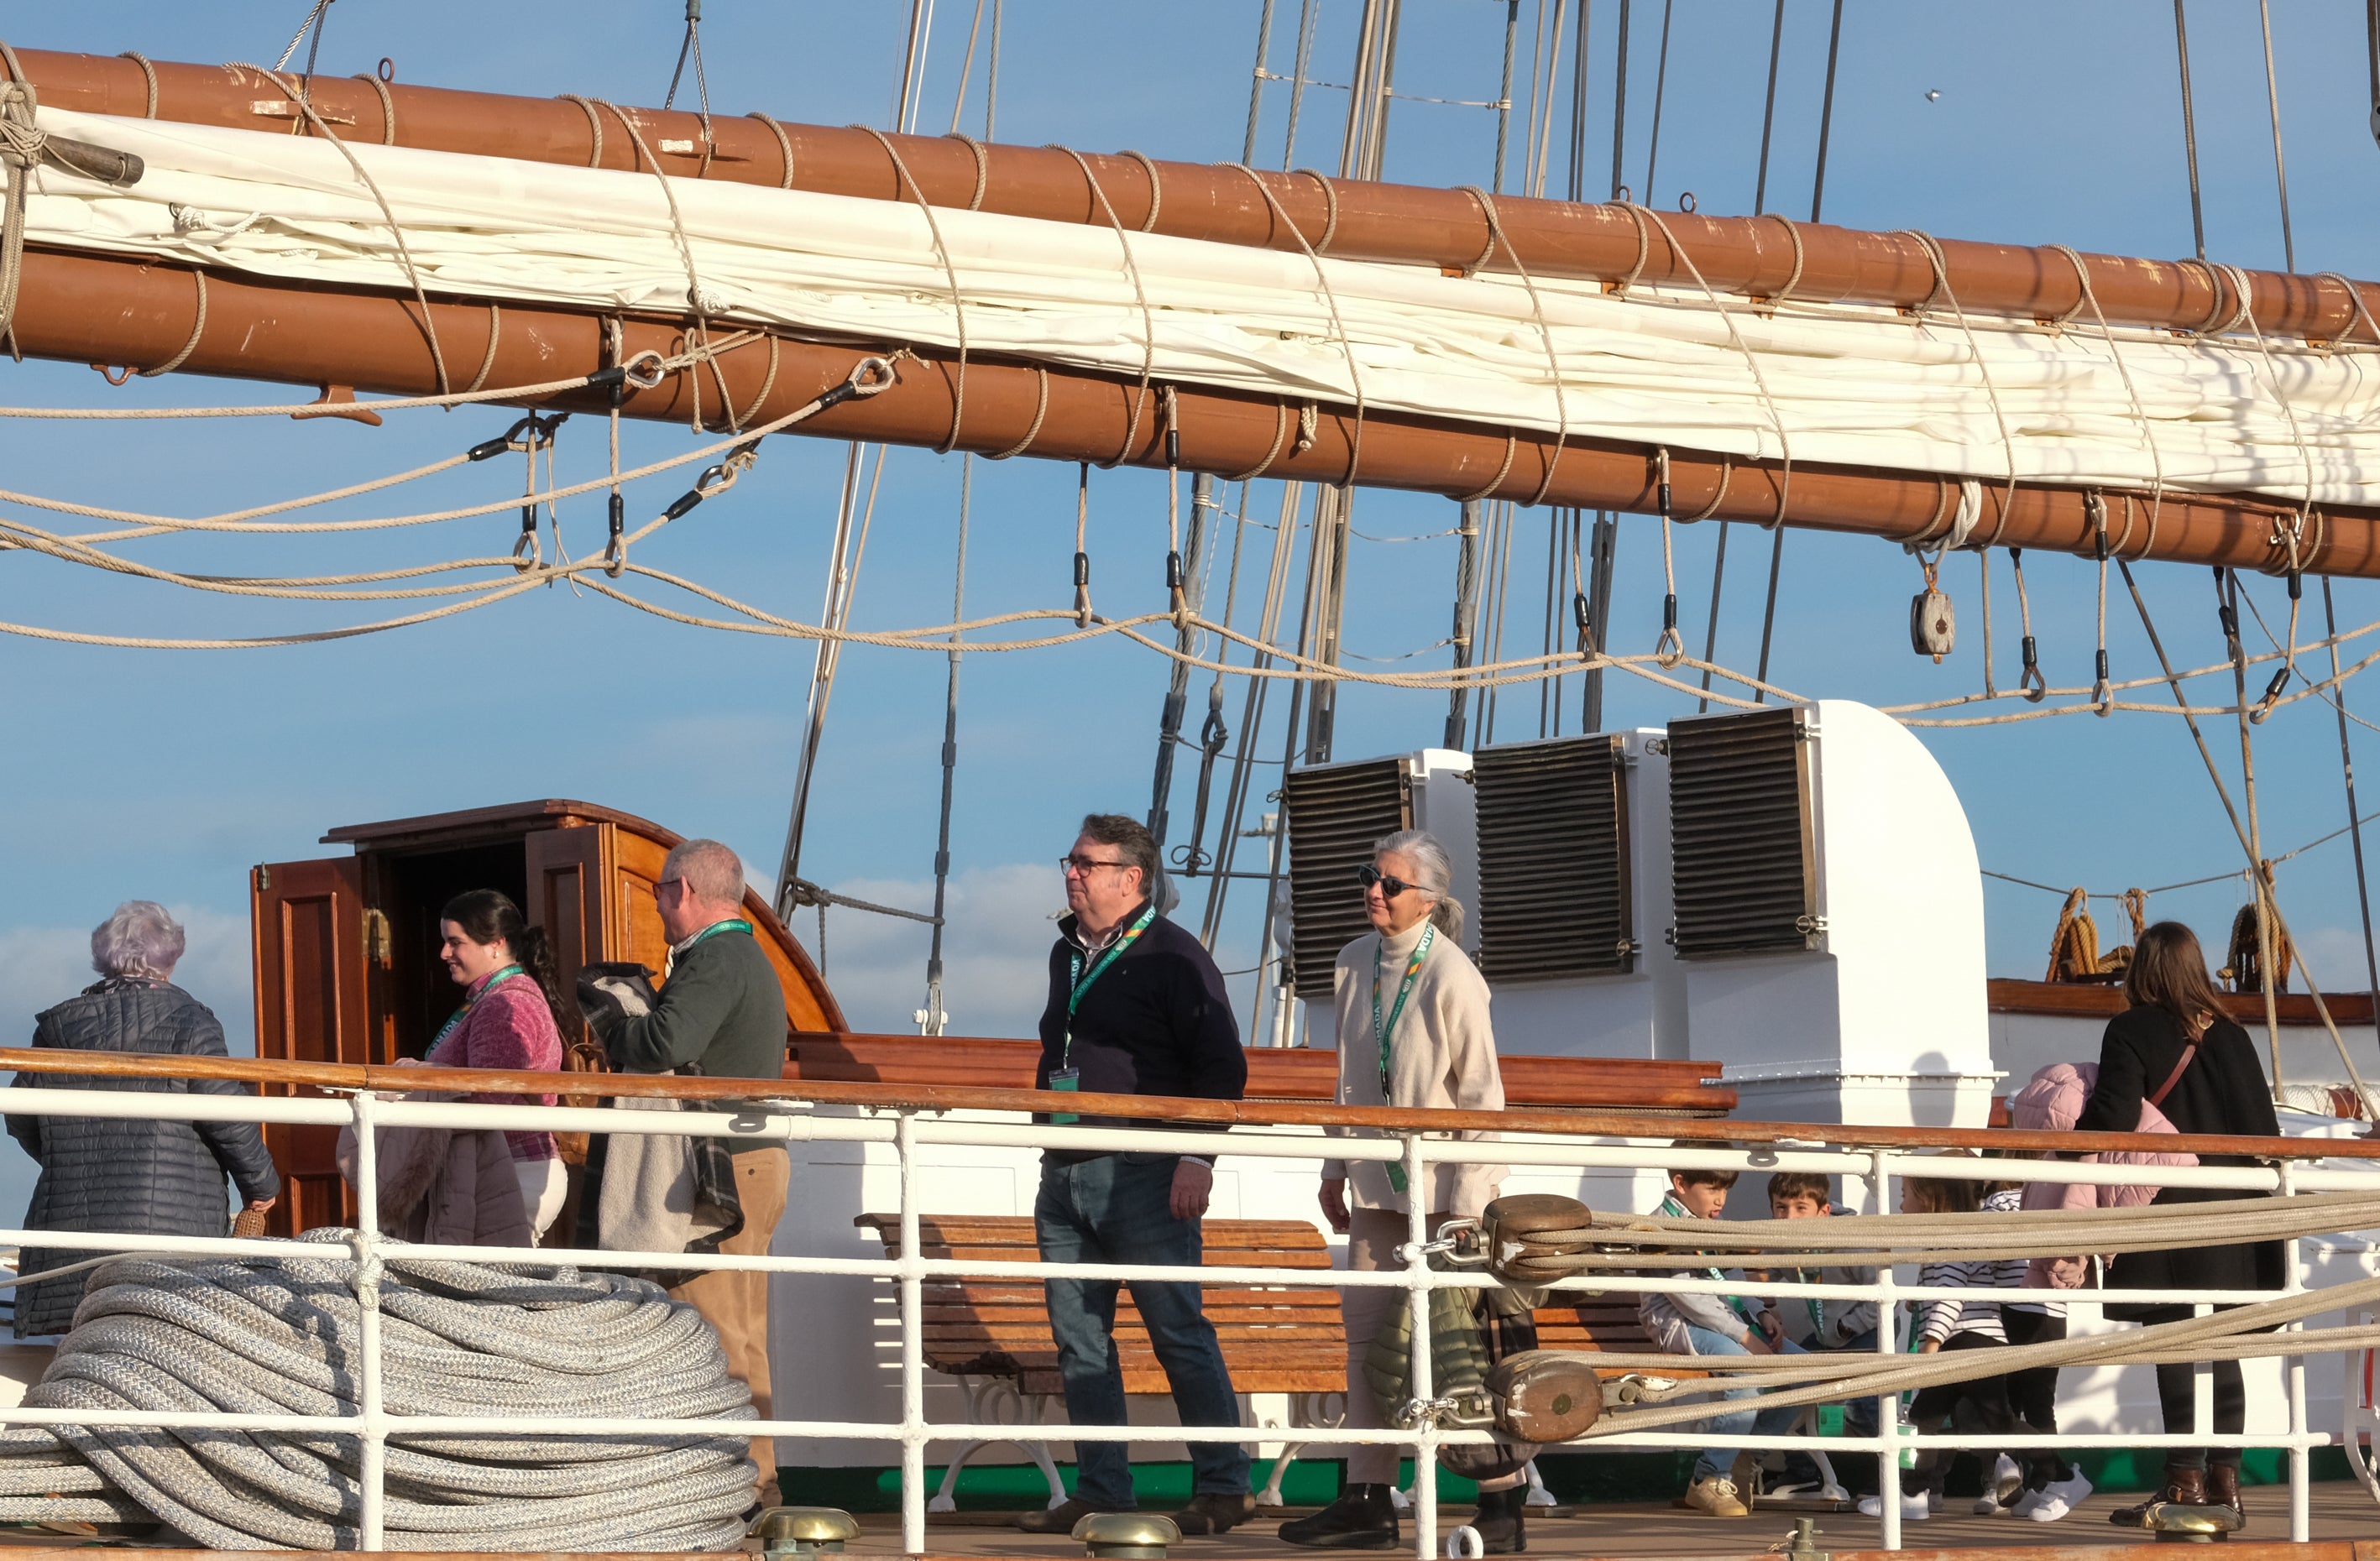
[
  {"x": 1499, "y": 1525},
  {"x": 1211, "y": 1513},
  {"x": 1364, "y": 1519},
  {"x": 1062, "y": 1519}
]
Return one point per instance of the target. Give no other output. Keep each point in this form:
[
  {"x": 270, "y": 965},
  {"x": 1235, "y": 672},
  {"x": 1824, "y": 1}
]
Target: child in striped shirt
[{"x": 1954, "y": 1323}]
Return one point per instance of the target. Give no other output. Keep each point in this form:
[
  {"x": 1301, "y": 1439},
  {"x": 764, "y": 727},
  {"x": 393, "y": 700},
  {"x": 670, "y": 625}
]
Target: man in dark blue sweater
[{"x": 1137, "y": 1007}]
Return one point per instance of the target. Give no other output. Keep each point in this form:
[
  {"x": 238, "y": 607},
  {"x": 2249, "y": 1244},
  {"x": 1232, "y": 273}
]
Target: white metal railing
[{"x": 911, "y": 1131}]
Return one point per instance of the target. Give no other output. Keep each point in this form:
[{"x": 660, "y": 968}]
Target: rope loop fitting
[{"x": 2036, "y": 686}]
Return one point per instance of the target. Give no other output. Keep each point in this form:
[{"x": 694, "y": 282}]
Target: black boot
[
  {"x": 1501, "y": 1530},
  {"x": 1362, "y": 1519}
]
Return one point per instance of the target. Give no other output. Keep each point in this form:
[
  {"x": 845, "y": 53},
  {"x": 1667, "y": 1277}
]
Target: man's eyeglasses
[
  {"x": 1390, "y": 887},
  {"x": 1080, "y": 866},
  {"x": 678, "y": 884}
]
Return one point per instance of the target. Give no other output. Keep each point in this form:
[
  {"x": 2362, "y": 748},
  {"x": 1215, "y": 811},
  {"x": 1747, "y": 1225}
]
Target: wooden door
[
  {"x": 314, "y": 966},
  {"x": 568, "y": 870},
  {"x": 640, "y": 936}
]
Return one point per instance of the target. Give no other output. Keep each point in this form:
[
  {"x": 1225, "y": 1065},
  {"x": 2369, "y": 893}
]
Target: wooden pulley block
[
  {"x": 1545, "y": 1395},
  {"x": 1933, "y": 625},
  {"x": 1519, "y": 1228}
]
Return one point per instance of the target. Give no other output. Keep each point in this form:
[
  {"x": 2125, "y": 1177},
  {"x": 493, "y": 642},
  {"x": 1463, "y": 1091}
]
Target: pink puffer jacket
[{"x": 2053, "y": 1102}]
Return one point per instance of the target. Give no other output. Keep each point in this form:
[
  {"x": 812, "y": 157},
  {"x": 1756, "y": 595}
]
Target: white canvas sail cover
[{"x": 1836, "y": 383}]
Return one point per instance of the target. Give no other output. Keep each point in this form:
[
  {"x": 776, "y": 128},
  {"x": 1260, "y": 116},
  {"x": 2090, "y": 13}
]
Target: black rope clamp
[
  {"x": 714, "y": 480},
  {"x": 644, "y": 371},
  {"x": 2101, "y": 695},
  {"x": 1578, "y": 614},
  {"x": 1082, "y": 570},
  {"x": 869, "y": 377},
  {"x": 2297, "y": 585},
  {"x": 615, "y": 550},
  {"x": 1172, "y": 572},
  {"x": 2036, "y": 686},
  {"x": 2273, "y": 692},
  {"x": 531, "y": 434},
  {"x": 1670, "y": 614}
]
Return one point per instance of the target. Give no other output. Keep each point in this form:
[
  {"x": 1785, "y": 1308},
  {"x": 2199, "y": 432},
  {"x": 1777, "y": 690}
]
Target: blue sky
[{"x": 166, "y": 775}]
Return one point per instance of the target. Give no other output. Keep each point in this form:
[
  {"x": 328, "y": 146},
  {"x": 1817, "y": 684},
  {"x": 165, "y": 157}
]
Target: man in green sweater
[{"x": 721, "y": 1009}]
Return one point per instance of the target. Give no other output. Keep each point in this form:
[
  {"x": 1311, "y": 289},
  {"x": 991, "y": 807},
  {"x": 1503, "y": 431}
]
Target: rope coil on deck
[{"x": 281, "y": 1335}]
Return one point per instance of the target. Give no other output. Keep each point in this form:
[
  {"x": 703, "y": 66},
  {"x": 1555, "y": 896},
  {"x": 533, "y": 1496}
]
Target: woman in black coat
[
  {"x": 121, "y": 1174},
  {"x": 2174, "y": 1047}
]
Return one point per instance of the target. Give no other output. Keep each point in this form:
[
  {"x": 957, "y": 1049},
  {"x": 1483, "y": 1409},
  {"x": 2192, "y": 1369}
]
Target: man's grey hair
[
  {"x": 140, "y": 938},
  {"x": 708, "y": 869},
  {"x": 1433, "y": 869}
]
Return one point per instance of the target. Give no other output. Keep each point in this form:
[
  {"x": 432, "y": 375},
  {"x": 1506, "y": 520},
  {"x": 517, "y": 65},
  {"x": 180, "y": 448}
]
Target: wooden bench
[{"x": 992, "y": 1333}]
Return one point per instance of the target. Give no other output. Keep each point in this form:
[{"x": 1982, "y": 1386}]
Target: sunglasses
[{"x": 1390, "y": 887}]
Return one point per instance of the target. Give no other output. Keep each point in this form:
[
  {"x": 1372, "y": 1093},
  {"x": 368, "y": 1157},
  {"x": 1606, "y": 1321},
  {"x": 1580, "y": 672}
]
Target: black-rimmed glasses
[{"x": 1390, "y": 887}]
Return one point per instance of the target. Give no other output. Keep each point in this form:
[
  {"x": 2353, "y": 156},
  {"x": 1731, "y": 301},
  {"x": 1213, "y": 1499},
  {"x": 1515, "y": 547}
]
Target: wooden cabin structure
[{"x": 346, "y": 946}]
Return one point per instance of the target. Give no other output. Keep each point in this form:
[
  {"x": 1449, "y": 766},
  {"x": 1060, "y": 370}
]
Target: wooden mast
[{"x": 82, "y": 307}]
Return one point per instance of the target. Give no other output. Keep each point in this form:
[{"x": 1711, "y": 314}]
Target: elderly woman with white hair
[
  {"x": 1413, "y": 1033},
  {"x": 117, "y": 1174}
]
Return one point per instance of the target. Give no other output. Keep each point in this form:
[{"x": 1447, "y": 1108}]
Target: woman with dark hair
[
  {"x": 510, "y": 1018},
  {"x": 2175, "y": 1050}
]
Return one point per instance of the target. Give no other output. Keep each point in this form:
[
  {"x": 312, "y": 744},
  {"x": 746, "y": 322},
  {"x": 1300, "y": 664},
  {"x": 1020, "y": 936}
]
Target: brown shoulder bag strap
[{"x": 2189, "y": 1052}]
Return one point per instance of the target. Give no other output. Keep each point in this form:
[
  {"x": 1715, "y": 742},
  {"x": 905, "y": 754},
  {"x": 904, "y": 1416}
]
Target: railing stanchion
[
  {"x": 2300, "y": 1451},
  {"x": 1888, "y": 1344},
  {"x": 1417, "y": 1298},
  {"x": 913, "y": 1344},
  {"x": 373, "y": 1469}
]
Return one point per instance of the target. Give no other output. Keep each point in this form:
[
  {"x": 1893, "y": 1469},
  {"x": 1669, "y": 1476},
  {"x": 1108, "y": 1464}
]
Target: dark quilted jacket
[{"x": 116, "y": 1174}]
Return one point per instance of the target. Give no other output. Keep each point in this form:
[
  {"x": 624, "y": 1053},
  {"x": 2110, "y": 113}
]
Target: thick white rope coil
[{"x": 281, "y": 1335}]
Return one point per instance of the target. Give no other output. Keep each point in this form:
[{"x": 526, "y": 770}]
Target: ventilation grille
[
  {"x": 1335, "y": 814},
  {"x": 1740, "y": 834},
  {"x": 1554, "y": 899}
]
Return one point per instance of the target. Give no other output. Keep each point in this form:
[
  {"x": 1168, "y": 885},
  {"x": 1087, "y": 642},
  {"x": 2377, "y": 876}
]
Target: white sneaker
[
  {"x": 1914, "y": 1509},
  {"x": 2024, "y": 1504},
  {"x": 2061, "y": 1497},
  {"x": 2006, "y": 1484}
]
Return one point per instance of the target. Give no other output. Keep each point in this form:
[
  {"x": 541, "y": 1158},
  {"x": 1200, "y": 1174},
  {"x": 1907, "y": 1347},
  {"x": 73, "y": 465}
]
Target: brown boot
[
  {"x": 2182, "y": 1487},
  {"x": 2222, "y": 1488}
]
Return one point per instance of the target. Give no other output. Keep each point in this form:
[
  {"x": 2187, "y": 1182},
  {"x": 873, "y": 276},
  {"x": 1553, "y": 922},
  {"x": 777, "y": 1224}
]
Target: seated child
[
  {"x": 1714, "y": 1325},
  {"x": 1823, "y": 1325}
]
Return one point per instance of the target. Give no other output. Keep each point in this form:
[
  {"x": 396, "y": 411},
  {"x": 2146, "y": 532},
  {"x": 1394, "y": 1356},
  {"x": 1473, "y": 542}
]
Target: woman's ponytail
[
  {"x": 534, "y": 953},
  {"x": 1446, "y": 915}
]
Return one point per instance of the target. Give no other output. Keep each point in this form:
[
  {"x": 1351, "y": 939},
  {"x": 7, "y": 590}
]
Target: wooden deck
[{"x": 2343, "y": 1511}]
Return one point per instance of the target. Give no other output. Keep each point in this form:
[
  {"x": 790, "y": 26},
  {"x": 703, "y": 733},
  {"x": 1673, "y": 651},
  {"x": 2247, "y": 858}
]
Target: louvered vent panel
[
  {"x": 1739, "y": 834},
  {"x": 1335, "y": 814},
  {"x": 1554, "y": 899}
]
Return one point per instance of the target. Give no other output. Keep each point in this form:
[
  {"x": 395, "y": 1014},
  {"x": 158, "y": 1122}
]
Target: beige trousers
[
  {"x": 1373, "y": 1238},
  {"x": 737, "y": 1305}
]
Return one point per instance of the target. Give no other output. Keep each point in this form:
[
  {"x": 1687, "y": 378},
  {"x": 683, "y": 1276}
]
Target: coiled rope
[{"x": 281, "y": 1335}]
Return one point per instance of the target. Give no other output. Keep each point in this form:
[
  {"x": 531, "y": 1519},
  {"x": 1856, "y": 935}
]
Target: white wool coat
[{"x": 1442, "y": 1057}]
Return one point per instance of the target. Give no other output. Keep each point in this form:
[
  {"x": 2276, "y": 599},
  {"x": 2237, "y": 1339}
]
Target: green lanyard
[
  {"x": 1673, "y": 1209},
  {"x": 1078, "y": 983},
  {"x": 732, "y": 923},
  {"x": 1381, "y": 1033},
  {"x": 448, "y": 1028}
]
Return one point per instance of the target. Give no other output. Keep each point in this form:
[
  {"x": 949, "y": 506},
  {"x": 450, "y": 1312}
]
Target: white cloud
[{"x": 996, "y": 942}]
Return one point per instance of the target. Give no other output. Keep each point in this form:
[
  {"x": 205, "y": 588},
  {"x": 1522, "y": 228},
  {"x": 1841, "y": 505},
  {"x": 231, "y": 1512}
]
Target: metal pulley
[{"x": 1933, "y": 623}]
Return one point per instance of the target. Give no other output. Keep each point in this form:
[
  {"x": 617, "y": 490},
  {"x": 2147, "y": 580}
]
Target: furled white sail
[{"x": 1843, "y": 384}]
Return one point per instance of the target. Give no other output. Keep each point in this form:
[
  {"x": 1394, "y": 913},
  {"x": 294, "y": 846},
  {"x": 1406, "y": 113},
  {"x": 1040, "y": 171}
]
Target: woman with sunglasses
[{"x": 1413, "y": 1033}]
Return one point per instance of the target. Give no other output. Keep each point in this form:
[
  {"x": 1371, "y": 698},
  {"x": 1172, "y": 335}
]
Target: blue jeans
[
  {"x": 1116, "y": 1209},
  {"x": 1739, "y": 1422}
]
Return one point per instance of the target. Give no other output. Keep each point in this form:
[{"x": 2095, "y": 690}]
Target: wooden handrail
[{"x": 1150, "y": 1108}]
